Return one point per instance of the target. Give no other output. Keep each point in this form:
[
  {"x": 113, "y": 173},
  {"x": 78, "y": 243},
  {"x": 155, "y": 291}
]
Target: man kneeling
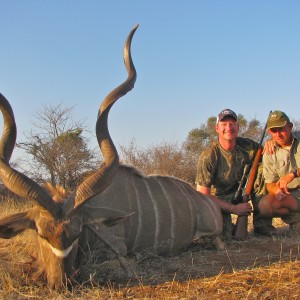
[{"x": 281, "y": 172}]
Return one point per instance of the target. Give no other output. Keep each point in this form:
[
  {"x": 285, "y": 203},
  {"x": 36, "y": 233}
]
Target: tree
[
  {"x": 164, "y": 159},
  {"x": 296, "y": 126},
  {"x": 181, "y": 161},
  {"x": 59, "y": 152}
]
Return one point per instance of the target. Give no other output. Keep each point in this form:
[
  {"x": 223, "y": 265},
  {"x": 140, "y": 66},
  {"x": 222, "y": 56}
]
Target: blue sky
[{"x": 193, "y": 59}]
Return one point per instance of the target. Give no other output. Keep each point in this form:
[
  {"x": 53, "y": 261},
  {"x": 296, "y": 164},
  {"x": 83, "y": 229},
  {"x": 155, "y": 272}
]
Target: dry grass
[{"x": 259, "y": 268}]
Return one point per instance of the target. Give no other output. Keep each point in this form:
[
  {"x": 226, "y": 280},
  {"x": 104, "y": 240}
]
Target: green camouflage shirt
[{"x": 221, "y": 170}]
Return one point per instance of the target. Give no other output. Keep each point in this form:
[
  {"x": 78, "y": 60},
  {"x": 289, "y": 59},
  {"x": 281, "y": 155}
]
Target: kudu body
[{"x": 132, "y": 212}]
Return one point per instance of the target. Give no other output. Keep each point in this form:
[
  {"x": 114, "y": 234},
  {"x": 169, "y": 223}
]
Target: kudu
[{"x": 129, "y": 211}]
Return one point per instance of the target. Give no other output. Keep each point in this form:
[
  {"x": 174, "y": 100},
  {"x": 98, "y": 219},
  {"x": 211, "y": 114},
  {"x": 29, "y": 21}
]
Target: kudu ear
[
  {"x": 15, "y": 224},
  {"x": 102, "y": 215},
  {"x": 115, "y": 220}
]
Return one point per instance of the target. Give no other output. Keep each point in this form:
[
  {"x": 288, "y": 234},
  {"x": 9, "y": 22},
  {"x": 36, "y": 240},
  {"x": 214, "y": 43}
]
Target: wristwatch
[{"x": 295, "y": 172}]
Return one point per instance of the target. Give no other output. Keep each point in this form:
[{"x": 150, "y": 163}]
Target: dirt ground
[
  {"x": 201, "y": 260},
  {"x": 178, "y": 275}
]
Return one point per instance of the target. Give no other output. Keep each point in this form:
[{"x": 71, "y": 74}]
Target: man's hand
[
  {"x": 280, "y": 194},
  {"x": 269, "y": 147},
  {"x": 242, "y": 209},
  {"x": 283, "y": 182}
]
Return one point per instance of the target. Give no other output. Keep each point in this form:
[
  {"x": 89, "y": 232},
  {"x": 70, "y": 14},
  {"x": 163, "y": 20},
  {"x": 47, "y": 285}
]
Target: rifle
[
  {"x": 239, "y": 192},
  {"x": 244, "y": 190}
]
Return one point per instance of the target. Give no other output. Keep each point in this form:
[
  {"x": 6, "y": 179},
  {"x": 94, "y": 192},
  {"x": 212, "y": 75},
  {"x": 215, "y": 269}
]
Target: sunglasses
[{"x": 277, "y": 129}]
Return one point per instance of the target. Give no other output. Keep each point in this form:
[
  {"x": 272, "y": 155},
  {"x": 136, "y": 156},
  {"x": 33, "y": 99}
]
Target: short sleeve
[
  {"x": 269, "y": 171},
  {"x": 205, "y": 169}
]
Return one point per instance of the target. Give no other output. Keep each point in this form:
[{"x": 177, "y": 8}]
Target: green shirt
[
  {"x": 221, "y": 170},
  {"x": 279, "y": 164}
]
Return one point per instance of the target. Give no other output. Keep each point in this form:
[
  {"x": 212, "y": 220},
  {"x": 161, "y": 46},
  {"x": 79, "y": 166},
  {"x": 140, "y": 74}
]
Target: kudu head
[{"x": 58, "y": 225}]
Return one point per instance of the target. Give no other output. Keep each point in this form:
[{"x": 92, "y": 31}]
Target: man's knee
[{"x": 265, "y": 207}]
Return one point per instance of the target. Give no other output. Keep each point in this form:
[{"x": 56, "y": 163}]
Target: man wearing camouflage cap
[
  {"x": 281, "y": 172},
  {"x": 220, "y": 168}
]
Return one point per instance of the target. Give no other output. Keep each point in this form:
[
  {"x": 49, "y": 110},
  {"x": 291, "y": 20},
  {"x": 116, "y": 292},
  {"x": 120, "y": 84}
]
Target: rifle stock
[
  {"x": 241, "y": 226},
  {"x": 240, "y": 231}
]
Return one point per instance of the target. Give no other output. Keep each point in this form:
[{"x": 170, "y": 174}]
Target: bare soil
[{"x": 201, "y": 260}]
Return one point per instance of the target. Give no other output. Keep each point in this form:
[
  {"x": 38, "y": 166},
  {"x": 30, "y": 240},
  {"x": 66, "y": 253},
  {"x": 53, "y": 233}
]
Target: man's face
[
  {"x": 282, "y": 135},
  {"x": 227, "y": 129}
]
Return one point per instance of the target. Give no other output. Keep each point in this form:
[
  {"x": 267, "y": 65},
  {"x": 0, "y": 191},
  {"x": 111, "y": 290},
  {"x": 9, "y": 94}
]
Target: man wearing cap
[
  {"x": 220, "y": 168},
  {"x": 281, "y": 172}
]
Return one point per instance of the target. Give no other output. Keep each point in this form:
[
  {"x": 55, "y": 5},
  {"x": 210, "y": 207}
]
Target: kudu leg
[
  {"x": 120, "y": 258},
  {"x": 218, "y": 243}
]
